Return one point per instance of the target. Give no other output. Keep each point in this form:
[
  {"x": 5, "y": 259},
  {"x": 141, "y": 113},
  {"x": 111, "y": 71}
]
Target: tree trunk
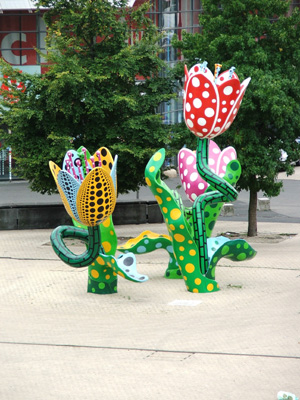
[{"x": 252, "y": 214}]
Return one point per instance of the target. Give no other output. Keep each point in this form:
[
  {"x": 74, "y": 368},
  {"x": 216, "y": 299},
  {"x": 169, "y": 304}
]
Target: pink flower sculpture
[
  {"x": 192, "y": 182},
  {"x": 211, "y": 102}
]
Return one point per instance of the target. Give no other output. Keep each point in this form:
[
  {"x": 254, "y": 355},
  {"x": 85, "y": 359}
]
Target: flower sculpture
[
  {"x": 88, "y": 188},
  {"x": 211, "y": 103}
]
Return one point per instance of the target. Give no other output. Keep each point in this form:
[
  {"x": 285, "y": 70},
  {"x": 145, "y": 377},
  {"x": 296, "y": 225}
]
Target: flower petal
[
  {"x": 233, "y": 113},
  {"x": 70, "y": 164},
  {"x": 192, "y": 182},
  {"x": 107, "y": 163},
  {"x": 67, "y": 187},
  {"x": 227, "y": 155},
  {"x": 113, "y": 174},
  {"x": 96, "y": 198},
  {"x": 70, "y": 187},
  {"x": 201, "y": 105},
  {"x": 106, "y": 159}
]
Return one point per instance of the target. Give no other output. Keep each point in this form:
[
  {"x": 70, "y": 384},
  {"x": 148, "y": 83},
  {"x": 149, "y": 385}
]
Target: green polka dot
[
  {"x": 211, "y": 225},
  {"x": 238, "y": 246},
  {"x": 93, "y": 290},
  {"x": 230, "y": 176},
  {"x": 242, "y": 256},
  {"x": 225, "y": 250},
  {"x": 246, "y": 246},
  {"x": 216, "y": 242},
  {"x": 206, "y": 214},
  {"x": 215, "y": 260},
  {"x": 101, "y": 285},
  {"x": 234, "y": 166}
]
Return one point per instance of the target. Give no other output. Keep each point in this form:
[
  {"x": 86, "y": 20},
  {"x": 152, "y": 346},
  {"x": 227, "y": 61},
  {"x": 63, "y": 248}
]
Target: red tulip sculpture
[{"x": 211, "y": 103}]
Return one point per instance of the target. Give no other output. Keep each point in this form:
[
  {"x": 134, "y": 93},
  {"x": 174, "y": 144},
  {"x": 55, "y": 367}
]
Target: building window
[{"x": 20, "y": 34}]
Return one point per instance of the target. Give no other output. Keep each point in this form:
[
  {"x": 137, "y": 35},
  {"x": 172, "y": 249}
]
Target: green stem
[
  {"x": 91, "y": 237},
  {"x": 224, "y": 192}
]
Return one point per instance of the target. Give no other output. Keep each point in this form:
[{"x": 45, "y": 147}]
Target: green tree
[
  {"x": 91, "y": 94},
  {"x": 261, "y": 39}
]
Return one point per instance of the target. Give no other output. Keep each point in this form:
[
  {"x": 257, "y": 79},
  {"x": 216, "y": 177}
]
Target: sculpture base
[{"x": 102, "y": 287}]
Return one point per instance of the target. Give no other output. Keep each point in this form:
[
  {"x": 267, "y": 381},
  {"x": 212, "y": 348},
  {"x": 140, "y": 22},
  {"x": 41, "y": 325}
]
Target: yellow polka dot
[
  {"x": 112, "y": 233},
  {"x": 179, "y": 238},
  {"x": 157, "y": 157},
  {"x": 190, "y": 268},
  {"x": 106, "y": 223},
  {"x": 165, "y": 210},
  {"x": 175, "y": 213},
  {"x": 94, "y": 273},
  {"x": 210, "y": 287},
  {"x": 195, "y": 290},
  {"x": 114, "y": 274},
  {"x": 218, "y": 286},
  {"x": 100, "y": 261},
  {"x": 190, "y": 241},
  {"x": 106, "y": 246},
  {"x": 109, "y": 264},
  {"x": 181, "y": 258},
  {"x": 121, "y": 274},
  {"x": 197, "y": 281},
  {"x": 167, "y": 220},
  {"x": 172, "y": 227},
  {"x": 151, "y": 169},
  {"x": 107, "y": 277},
  {"x": 159, "y": 190},
  {"x": 181, "y": 248},
  {"x": 158, "y": 199},
  {"x": 185, "y": 278},
  {"x": 192, "y": 252},
  {"x": 181, "y": 226},
  {"x": 113, "y": 260},
  {"x": 169, "y": 198},
  {"x": 148, "y": 181}
]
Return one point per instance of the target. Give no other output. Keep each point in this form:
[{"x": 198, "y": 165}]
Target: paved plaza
[{"x": 152, "y": 340}]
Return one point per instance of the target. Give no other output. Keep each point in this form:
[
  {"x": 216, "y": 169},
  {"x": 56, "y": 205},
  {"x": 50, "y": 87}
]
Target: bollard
[
  {"x": 227, "y": 210},
  {"x": 264, "y": 204}
]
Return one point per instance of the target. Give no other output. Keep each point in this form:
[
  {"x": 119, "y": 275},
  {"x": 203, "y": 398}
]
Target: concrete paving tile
[{"x": 64, "y": 372}]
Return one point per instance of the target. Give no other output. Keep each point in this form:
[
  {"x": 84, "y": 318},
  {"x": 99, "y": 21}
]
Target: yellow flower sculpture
[{"x": 87, "y": 189}]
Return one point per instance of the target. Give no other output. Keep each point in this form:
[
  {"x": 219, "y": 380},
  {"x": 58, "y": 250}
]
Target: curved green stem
[
  {"x": 91, "y": 237},
  {"x": 224, "y": 192}
]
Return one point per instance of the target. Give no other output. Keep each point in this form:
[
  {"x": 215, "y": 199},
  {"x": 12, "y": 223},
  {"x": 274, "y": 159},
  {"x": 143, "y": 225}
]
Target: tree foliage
[
  {"x": 261, "y": 39},
  {"x": 90, "y": 95}
]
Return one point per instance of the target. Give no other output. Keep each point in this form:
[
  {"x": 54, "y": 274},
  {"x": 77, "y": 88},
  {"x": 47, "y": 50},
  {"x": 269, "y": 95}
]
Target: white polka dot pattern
[
  {"x": 211, "y": 106},
  {"x": 192, "y": 182}
]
